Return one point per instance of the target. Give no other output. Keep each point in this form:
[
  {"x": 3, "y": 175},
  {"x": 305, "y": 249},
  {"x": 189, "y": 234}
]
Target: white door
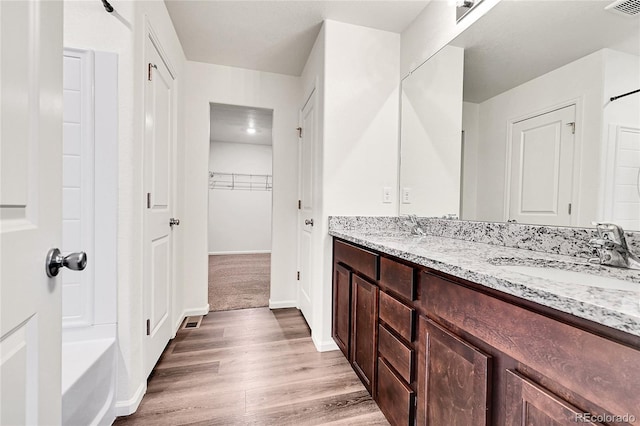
[
  {"x": 305, "y": 206},
  {"x": 158, "y": 252},
  {"x": 30, "y": 211},
  {"x": 542, "y": 168}
]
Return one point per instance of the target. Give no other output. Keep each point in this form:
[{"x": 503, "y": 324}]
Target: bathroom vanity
[{"x": 444, "y": 331}]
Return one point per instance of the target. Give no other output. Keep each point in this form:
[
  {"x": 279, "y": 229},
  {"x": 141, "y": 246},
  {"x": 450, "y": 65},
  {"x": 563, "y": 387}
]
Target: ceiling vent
[{"x": 625, "y": 7}]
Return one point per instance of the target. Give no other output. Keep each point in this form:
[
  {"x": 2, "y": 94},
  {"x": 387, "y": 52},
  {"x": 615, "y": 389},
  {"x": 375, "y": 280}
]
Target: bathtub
[{"x": 88, "y": 382}]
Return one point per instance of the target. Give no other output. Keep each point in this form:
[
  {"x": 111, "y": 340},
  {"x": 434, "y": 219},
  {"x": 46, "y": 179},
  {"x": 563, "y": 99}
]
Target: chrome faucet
[
  {"x": 611, "y": 247},
  {"x": 415, "y": 226}
]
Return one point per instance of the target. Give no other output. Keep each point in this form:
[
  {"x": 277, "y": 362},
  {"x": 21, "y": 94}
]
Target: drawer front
[
  {"x": 394, "y": 398},
  {"x": 360, "y": 260},
  {"x": 398, "y": 278},
  {"x": 396, "y": 353},
  {"x": 397, "y": 315}
]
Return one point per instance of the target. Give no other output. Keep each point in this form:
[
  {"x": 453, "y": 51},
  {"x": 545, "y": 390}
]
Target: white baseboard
[
  {"x": 128, "y": 407},
  {"x": 279, "y": 304},
  {"x": 195, "y": 311},
  {"x": 188, "y": 313},
  {"x": 326, "y": 346},
  {"x": 214, "y": 253}
]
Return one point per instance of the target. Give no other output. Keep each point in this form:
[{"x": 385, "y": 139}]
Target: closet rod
[{"x": 613, "y": 98}]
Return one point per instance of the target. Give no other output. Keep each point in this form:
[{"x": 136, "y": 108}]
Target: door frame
[
  {"x": 309, "y": 96},
  {"x": 150, "y": 35},
  {"x": 578, "y": 103}
]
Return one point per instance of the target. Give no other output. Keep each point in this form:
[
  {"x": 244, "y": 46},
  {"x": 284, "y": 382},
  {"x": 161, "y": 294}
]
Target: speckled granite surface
[
  {"x": 481, "y": 263},
  {"x": 547, "y": 239}
]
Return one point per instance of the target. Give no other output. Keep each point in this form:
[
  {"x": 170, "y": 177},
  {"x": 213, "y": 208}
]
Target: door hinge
[
  {"x": 299, "y": 129},
  {"x": 569, "y": 208},
  {"x": 149, "y": 70},
  {"x": 299, "y": 204},
  {"x": 148, "y": 327},
  {"x": 148, "y": 200},
  {"x": 573, "y": 127},
  {"x": 298, "y": 275}
]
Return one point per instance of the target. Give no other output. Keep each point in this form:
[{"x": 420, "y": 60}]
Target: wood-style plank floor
[{"x": 253, "y": 367}]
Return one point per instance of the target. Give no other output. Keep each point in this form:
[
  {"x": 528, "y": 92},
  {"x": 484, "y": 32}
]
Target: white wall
[
  {"x": 471, "y": 128},
  {"x": 580, "y": 81},
  {"x": 433, "y": 29},
  {"x": 431, "y": 136},
  {"x": 359, "y": 141},
  {"x": 239, "y": 219},
  {"x": 207, "y": 83},
  {"x": 88, "y": 26}
]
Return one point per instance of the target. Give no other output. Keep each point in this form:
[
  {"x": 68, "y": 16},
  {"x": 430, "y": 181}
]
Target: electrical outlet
[
  {"x": 386, "y": 195},
  {"x": 406, "y": 195}
]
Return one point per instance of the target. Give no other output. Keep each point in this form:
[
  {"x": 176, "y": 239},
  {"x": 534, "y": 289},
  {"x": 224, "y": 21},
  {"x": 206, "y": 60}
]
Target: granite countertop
[{"x": 481, "y": 263}]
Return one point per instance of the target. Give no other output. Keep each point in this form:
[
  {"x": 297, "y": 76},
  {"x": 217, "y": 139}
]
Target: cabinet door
[
  {"x": 364, "y": 331},
  {"x": 453, "y": 379},
  {"x": 342, "y": 308},
  {"x": 529, "y": 404}
]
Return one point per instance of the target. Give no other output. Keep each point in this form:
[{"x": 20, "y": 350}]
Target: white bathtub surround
[
  {"x": 90, "y": 193},
  {"x": 479, "y": 262}
]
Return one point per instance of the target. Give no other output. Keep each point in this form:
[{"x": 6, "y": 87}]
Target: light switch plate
[
  {"x": 386, "y": 195},
  {"x": 406, "y": 195}
]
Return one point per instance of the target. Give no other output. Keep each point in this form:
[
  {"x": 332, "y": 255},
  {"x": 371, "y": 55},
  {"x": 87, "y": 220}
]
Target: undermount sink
[{"x": 573, "y": 277}]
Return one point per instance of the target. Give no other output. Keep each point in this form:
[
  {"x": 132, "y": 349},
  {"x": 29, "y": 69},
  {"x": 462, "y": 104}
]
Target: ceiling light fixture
[{"x": 251, "y": 130}]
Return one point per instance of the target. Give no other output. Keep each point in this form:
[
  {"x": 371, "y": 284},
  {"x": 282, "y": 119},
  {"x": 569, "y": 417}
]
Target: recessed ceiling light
[{"x": 251, "y": 130}]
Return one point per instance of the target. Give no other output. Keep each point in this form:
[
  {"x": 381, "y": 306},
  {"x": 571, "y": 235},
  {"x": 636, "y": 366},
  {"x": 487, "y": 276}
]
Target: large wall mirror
[{"x": 514, "y": 120}]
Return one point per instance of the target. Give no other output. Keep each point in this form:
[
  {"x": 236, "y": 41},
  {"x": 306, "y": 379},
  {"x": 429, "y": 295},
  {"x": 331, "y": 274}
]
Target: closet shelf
[{"x": 240, "y": 181}]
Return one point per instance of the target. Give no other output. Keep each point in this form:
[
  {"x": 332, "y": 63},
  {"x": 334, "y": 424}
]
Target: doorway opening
[{"x": 240, "y": 206}]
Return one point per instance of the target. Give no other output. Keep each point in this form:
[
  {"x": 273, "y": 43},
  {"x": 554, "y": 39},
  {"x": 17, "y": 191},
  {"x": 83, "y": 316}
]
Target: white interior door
[
  {"x": 30, "y": 211},
  {"x": 305, "y": 206},
  {"x": 542, "y": 168},
  {"x": 158, "y": 175}
]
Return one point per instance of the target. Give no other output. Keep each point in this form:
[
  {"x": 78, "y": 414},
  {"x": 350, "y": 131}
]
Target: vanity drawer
[
  {"x": 397, "y": 315},
  {"x": 396, "y": 353},
  {"x": 394, "y": 397},
  {"x": 359, "y": 260},
  {"x": 398, "y": 278}
]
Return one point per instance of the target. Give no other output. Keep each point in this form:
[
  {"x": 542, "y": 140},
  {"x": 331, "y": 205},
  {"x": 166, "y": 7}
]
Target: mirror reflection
[{"x": 518, "y": 123}]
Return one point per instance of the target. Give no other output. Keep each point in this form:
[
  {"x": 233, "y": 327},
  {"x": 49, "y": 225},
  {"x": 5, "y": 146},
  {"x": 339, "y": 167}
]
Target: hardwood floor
[{"x": 253, "y": 367}]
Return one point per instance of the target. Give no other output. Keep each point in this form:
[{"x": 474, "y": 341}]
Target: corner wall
[
  {"x": 206, "y": 83},
  {"x": 359, "y": 143}
]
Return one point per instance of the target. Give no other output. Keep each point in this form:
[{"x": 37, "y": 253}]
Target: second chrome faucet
[{"x": 611, "y": 247}]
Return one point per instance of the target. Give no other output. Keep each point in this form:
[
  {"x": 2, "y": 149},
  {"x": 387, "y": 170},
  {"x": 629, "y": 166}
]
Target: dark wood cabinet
[
  {"x": 364, "y": 332},
  {"x": 528, "y": 403},
  {"x": 438, "y": 350},
  {"x": 342, "y": 309},
  {"x": 394, "y": 397},
  {"x": 454, "y": 381}
]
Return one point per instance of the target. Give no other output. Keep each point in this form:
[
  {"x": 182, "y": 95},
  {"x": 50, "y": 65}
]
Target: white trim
[
  {"x": 188, "y": 313},
  {"x": 196, "y": 311},
  {"x": 216, "y": 253},
  {"x": 324, "y": 346},
  {"x": 280, "y": 304},
  {"x": 128, "y": 407}
]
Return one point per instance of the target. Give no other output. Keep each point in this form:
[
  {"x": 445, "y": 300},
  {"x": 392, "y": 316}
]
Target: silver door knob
[
  {"x": 55, "y": 261},
  {"x": 308, "y": 222},
  {"x": 174, "y": 221}
]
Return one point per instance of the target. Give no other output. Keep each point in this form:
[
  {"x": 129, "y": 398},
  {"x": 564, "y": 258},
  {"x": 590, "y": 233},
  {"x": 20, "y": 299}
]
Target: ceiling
[
  {"x": 517, "y": 41},
  {"x": 229, "y": 123},
  {"x": 274, "y": 36}
]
